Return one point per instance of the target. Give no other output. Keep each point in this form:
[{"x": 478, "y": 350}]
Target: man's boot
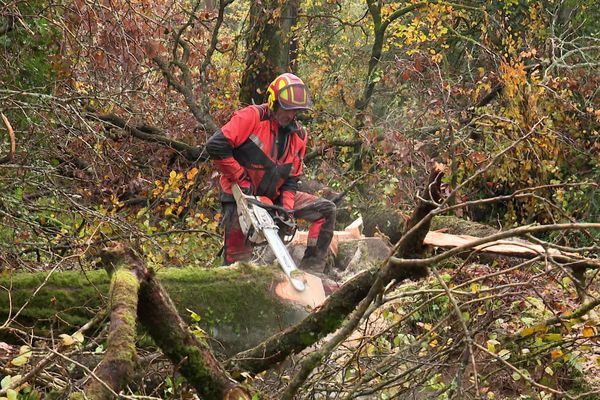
[
  {"x": 313, "y": 260},
  {"x": 316, "y": 257}
]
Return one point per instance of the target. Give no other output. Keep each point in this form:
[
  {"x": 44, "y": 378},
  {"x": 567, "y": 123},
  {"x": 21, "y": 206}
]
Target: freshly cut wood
[
  {"x": 312, "y": 297},
  {"x": 512, "y": 248},
  {"x": 351, "y": 232}
]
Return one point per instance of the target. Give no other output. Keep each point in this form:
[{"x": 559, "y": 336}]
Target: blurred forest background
[{"x": 107, "y": 105}]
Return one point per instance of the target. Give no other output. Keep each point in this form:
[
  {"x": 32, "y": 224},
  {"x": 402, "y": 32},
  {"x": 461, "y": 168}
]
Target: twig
[
  {"x": 466, "y": 331},
  {"x": 13, "y": 143},
  {"x": 43, "y": 363}
]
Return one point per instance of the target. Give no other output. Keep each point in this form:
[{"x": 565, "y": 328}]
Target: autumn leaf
[
  {"x": 588, "y": 331},
  {"x": 557, "y": 353},
  {"x": 67, "y": 340},
  {"x": 19, "y": 361}
]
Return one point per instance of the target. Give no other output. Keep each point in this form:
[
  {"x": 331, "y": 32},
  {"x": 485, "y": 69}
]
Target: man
[{"x": 262, "y": 149}]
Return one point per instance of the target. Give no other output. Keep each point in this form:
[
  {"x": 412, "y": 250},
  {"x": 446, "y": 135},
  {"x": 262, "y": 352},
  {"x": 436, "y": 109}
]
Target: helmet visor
[{"x": 294, "y": 97}]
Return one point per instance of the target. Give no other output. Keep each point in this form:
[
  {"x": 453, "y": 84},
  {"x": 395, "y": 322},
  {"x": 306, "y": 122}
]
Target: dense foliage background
[{"x": 111, "y": 103}]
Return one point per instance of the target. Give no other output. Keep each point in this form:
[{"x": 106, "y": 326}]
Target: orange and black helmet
[{"x": 289, "y": 92}]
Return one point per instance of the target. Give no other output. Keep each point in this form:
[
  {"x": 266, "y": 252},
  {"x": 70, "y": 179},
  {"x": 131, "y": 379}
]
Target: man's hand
[
  {"x": 245, "y": 184},
  {"x": 285, "y": 223},
  {"x": 265, "y": 200}
]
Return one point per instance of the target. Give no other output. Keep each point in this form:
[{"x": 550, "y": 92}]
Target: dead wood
[
  {"x": 411, "y": 246},
  {"x": 13, "y": 143},
  {"x": 511, "y": 248},
  {"x": 151, "y": 134}
]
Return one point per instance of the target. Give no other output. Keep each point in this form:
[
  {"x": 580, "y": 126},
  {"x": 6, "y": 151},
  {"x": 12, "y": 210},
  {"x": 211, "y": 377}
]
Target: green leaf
[
  {"x": 553, "y": 337},
  {"x": 528, "y": 320},
  {"x": 5, "y": 381},
  {"x": 19, "y": 361},
  {"x": 11, "y": 394},
  {"x": 18, "y": 193},
  {"x": 193, "y": 315}
]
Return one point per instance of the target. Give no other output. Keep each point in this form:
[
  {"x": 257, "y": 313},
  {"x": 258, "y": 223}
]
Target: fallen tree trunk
[
  {"x": 116, "y": 368},
  {"x": 238, "y": 305},
  {"x": 189, "y": 353},
  {"x": 343, "y": 301}
]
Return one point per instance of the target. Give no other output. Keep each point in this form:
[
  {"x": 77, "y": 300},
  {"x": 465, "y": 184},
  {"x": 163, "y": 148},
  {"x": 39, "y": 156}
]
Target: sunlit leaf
[
  {"x": 67, "y": 340},
  {"x": 557, "y": 353},
  {"x": 588, "y": 331},
  {"x": 553, "y": 337},
  {"x": 78, "y": 337},
  {"x": 504, "y": 354},
  {"x": 527, "y": 332},
  {"x": 196, "y": 317},
  {"x": 5, "y": 381},
  {"x": 19, "y": 361}
]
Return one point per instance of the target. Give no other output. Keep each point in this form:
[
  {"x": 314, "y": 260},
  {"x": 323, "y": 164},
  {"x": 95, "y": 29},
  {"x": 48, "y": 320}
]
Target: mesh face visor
[{"x": 294, "y": 97}]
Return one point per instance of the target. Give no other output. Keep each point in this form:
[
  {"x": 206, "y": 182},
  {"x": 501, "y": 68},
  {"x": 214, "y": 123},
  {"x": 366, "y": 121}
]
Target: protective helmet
[{"x": 289, "y": 92}]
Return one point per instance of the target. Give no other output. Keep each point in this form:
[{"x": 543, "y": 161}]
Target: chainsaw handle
[{"x": 287, "y": 213}]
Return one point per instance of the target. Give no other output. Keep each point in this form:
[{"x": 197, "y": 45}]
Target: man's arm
[
  {"x": 220, "y": 146},
  {"x": 288, "y": 192},
  {"x": 290, "y": 186}
]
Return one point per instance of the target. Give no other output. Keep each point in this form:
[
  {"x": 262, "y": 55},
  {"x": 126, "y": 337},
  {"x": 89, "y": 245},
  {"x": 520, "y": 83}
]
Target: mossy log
[
  {"x": 193, "y": 357},
  {"x": 116, "y": 368},
  {"x": 236, "y": 304}
]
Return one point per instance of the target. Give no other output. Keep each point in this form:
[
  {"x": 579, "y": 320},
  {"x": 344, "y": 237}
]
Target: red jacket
[{"x": 247, "y": 147}]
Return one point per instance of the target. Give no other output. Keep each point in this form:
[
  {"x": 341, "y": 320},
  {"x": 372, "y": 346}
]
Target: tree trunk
[
  {"x": 238, "y": 305},
  {"x": 268, "y": 46},
  {"x": 189, "y": 352},
  {"x": 115, "y": 370}
]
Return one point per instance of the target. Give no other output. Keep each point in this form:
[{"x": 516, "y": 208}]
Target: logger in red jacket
[{"x": 262, "y": 148}]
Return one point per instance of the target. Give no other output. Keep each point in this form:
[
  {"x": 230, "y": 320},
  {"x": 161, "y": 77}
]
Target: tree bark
[
  {"x": 116, "y": 368},
  {"x": 237, "y": 305},
  {"x": 268, "y": 44},
  {"x": 190, "y": 354}
]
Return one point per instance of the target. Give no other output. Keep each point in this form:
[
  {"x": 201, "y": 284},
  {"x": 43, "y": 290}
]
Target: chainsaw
[{"x": 258, "y": 225}]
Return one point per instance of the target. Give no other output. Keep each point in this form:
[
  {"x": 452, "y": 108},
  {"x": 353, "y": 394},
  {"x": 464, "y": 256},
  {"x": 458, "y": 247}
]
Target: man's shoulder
[
  {"x": 259, "y": 111},
  {"x": 299, "y": 130}
]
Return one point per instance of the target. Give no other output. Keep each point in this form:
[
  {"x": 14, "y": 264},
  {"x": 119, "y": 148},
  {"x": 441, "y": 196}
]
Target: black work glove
[
  {"x": 245, "y": 184},
  {"x": 286, "y": 224}
]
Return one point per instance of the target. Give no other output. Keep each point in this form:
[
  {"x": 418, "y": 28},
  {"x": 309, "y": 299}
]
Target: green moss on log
[
  {"x": 232, "y": 302},
  {"x": 459, "y": 226},
  {"x": 67, "y": 299}
]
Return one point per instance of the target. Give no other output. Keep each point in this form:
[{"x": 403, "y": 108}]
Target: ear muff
[{"x": 271, "y": 98}]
